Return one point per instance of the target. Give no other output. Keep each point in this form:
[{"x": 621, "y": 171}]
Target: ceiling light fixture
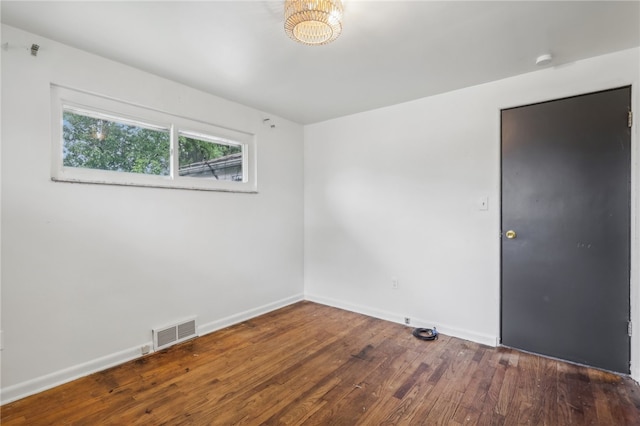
[{"x": 313, "y": 22}]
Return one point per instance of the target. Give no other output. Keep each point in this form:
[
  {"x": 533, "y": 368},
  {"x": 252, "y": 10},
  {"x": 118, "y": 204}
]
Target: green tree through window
[
  {"x": 195, "y": 150},
  {"x": 100, "y": 140},
  {"x": 95, "y": 143},
  {"x": 200, "y": 158}
]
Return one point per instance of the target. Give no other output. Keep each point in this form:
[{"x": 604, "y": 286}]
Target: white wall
[
  {"x": 88, "y": 270},
  {"x": 394, "y": 193}
]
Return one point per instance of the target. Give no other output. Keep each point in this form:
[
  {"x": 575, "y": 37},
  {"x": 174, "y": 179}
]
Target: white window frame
[{"x": 100, "y": 106}]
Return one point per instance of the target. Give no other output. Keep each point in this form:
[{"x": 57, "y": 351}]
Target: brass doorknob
[{"x": 511, "y": 234}]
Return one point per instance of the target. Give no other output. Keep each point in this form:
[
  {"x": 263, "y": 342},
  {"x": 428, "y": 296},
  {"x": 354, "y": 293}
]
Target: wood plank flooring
[{"x": 309, "y": 364}]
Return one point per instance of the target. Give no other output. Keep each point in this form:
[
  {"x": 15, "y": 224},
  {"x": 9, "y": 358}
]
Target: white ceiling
[{"x": 389, "y": 52}]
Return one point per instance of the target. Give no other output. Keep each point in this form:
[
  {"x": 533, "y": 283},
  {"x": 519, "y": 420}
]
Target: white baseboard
[
  {"x": 39, "y": 384},
  {"x": 485, "y": 339},
  {"x": 216, "y": 325}
]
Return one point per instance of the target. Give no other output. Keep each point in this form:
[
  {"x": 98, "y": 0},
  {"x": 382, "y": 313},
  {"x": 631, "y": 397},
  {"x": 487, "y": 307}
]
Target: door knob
[{"x": 511, "y": 234}]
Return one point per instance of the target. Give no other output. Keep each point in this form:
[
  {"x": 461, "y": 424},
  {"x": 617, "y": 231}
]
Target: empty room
[{"x": 320, "y": 212}]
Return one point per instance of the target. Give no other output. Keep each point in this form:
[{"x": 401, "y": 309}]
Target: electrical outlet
[
  {"x": 394, "y": 283},
  {"x": 407, "y": 320}
]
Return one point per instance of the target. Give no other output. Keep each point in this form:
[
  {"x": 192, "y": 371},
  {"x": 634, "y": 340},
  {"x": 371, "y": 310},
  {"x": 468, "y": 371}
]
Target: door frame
[{"x": 634, "y": 264}]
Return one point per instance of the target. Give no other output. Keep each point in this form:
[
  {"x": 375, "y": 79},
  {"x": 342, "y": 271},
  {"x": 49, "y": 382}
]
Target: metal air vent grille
[{"x": 175, "y": 333}]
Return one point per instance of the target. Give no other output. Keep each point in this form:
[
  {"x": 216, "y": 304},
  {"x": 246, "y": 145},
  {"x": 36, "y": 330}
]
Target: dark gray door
[{"x": 566, "y": 179}]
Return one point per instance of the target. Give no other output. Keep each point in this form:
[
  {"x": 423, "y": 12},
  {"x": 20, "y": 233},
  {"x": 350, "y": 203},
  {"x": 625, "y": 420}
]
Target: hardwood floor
[{"x": 315, "y": 365}]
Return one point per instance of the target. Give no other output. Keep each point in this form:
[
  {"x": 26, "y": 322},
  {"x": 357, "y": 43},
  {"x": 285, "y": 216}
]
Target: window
[
  {"x": 101, "y": 140},
  {"x": 94, "y": 141},
  {"x": 205, "y": 157}
]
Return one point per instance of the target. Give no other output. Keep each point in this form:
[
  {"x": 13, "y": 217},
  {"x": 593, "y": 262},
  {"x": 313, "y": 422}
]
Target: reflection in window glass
[{"x": 207, "y": 159}]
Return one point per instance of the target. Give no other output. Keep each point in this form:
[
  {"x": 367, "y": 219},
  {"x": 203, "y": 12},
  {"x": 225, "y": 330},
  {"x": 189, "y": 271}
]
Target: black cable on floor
[{"x": 426, "y": 333}]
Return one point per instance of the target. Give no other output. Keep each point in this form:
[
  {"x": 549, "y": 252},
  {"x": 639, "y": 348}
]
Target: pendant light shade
[{"x": 313, "y": 22}]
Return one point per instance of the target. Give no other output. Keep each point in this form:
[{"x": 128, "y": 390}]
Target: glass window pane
[
  {"x": 95, "y": 143},
  {"x": 205, "y": 159}
]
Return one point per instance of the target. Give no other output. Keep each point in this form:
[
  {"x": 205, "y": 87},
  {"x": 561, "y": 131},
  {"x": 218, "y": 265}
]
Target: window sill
[{"x": 168, "y": 184}]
